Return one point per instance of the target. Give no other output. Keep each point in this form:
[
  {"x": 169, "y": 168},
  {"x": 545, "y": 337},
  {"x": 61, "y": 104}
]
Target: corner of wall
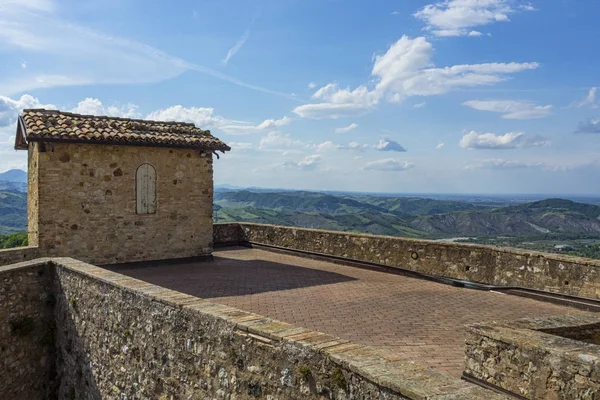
[{"x": 33, "y": 203}]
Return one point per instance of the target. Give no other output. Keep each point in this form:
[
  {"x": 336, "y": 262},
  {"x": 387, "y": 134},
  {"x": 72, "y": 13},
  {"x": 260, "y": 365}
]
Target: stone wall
[
  {"x": 523, "y": 358},
  {"x": 477, "y": 263},
  {"x": 85, "y": 199},
  {"x": 26, "y": 332},
  {"x": 18, "y": 254},
  {"x": 118, "y": 338}
]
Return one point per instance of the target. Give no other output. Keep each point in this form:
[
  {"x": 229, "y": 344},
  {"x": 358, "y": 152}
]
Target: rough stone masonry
[{"x": 83, "y": 332}]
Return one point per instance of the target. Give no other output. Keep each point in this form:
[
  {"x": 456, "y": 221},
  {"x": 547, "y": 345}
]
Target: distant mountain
[
  {"x": 13, "y": 186},
  {"x": 14, "y": 175},
  {"x": 13, "y": 212},
  {"x": 545, "y": 216},
  {"x": 406, "y": 216}
]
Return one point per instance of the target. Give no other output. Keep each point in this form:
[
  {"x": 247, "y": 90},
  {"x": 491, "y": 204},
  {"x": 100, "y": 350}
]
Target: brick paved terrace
[{"x": 407, "y": 318}]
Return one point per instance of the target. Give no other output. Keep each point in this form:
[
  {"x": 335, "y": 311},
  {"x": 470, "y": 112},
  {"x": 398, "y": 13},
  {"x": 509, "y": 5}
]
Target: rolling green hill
[
  {"x": 13, "y": 212},
  {"x": 406, "y": 216}
]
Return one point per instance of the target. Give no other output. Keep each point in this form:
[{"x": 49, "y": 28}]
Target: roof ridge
[{"x": 72, "y": 114}]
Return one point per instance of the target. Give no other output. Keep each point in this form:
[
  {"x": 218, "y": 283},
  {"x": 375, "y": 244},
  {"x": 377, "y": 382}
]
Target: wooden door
[{"x": 146, "y": 189}]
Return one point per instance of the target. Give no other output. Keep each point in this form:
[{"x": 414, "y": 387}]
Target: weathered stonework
[
  {"x": 82, "y": 203},
  {"x": 529, "y": 358},
  {"x": 118, "y": 337},
  {"x": 18, "y": 254},
  {"x": 27, "y": 362},
  {"x": 477, "y": 263}
]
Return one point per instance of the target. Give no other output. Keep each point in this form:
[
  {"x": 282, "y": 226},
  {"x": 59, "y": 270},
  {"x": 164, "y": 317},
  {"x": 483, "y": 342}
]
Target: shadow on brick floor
[{"x": 226, "y": 277}]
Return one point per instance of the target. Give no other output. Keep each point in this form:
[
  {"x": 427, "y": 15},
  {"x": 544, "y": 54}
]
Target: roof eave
[
  {"x": 21, "y": 135},
  {"x": 223, "y": 148}
]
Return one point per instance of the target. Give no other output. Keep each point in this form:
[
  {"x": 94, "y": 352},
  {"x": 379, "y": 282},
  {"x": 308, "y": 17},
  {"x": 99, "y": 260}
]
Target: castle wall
[
  {"x": 538, "y": 358},
  {"x": 86, "y": 203},
  {"x": 18, "y": 254},
  {"x": 27, "y": 361},
  {"x": 477, "y": 263}
]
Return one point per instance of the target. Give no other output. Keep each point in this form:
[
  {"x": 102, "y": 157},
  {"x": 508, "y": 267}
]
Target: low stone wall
[
  {"x": 26, "y": 332},
  {"x": 477, "y": 263},
  {"x": 227, "y": 234},
  {"x": 523, "y": 358},
  {"x": 118, "y": 337},
  {"x": 18, "y": 254}
]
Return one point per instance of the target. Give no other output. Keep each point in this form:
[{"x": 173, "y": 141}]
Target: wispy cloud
[
  {"x": 388, "y": 164},
  {"x": 589, "y": 100},
  {"x": 237, "y": 129},
  {"x": 238, "y": 45},
  {"x": 456, "y": 17},
  {"x": 511, "y": 109},
  {"x": 490, "y": 141},
  {"x": 75, "y": 55},
  {"x": 346, "y": 129}
]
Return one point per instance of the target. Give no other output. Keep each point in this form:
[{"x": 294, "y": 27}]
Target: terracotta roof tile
[{"x": 56, "y": 126}]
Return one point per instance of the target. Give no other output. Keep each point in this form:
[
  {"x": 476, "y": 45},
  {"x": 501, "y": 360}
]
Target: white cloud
[
  {"x": 329, "y": 146},
  {"x": 420, "y": 105},
  {"x": 312, "y": 85},
  {"x": 338, "y": 103},
  {"x": 326, "y": 146},
  {"x": 238, "y": 45},
  {"x": 439, "y": 146},
  {"x": 590, "y": 100},
  {"x": 456, "y": 17},
  {"x": 77, "y": 55},
  {"x": 309, "y": 162},
  {"x": 23, "y": 65},
  {"x": 589, "y": 126},
  {"x": 10, "y": 109},
  {"x": 511, "y": 109},
  {"x": 90, "y": 106},
  {"x": 388, "y": 164},
  {"x": 203, "y": 117},
  {"x": 356, "y": 146},
  {"x": 389, "y": 145},
  {"x": 346, "y": 129},
  {"x": 265, "y": 125},
  {"x": 511, "y": 140},
  {"x": 277, "y": 140},
  {"x": 405, "y": 70},
  {"x": 474, "y": 33},
  {"x": 241, "y": 145}
]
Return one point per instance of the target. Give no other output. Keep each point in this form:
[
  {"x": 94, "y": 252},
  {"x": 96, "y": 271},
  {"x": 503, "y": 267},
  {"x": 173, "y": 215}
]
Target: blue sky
[{"x": 449, "y": 96}]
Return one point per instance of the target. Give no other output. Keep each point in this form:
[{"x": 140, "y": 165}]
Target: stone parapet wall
[
  {"x": 18, "y": 254},
  {"x": 227, "y": 234},
  {"x": 118, "y": 337},
  {"x": 523, "y": 358},
  {"x": 477, "y": 263},
  {"x": 26, "y": 332}
]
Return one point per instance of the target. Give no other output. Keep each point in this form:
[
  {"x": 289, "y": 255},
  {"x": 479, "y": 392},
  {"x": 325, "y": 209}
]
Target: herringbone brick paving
[{"x": 407, "y": 318}]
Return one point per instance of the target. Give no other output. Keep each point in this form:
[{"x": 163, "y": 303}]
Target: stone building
[{"x": 109, "y": 190}]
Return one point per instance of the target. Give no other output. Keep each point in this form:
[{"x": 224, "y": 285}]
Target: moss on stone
[
  {"x": 304, "y": 372},
  {"x": 339, "y": 378}
]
